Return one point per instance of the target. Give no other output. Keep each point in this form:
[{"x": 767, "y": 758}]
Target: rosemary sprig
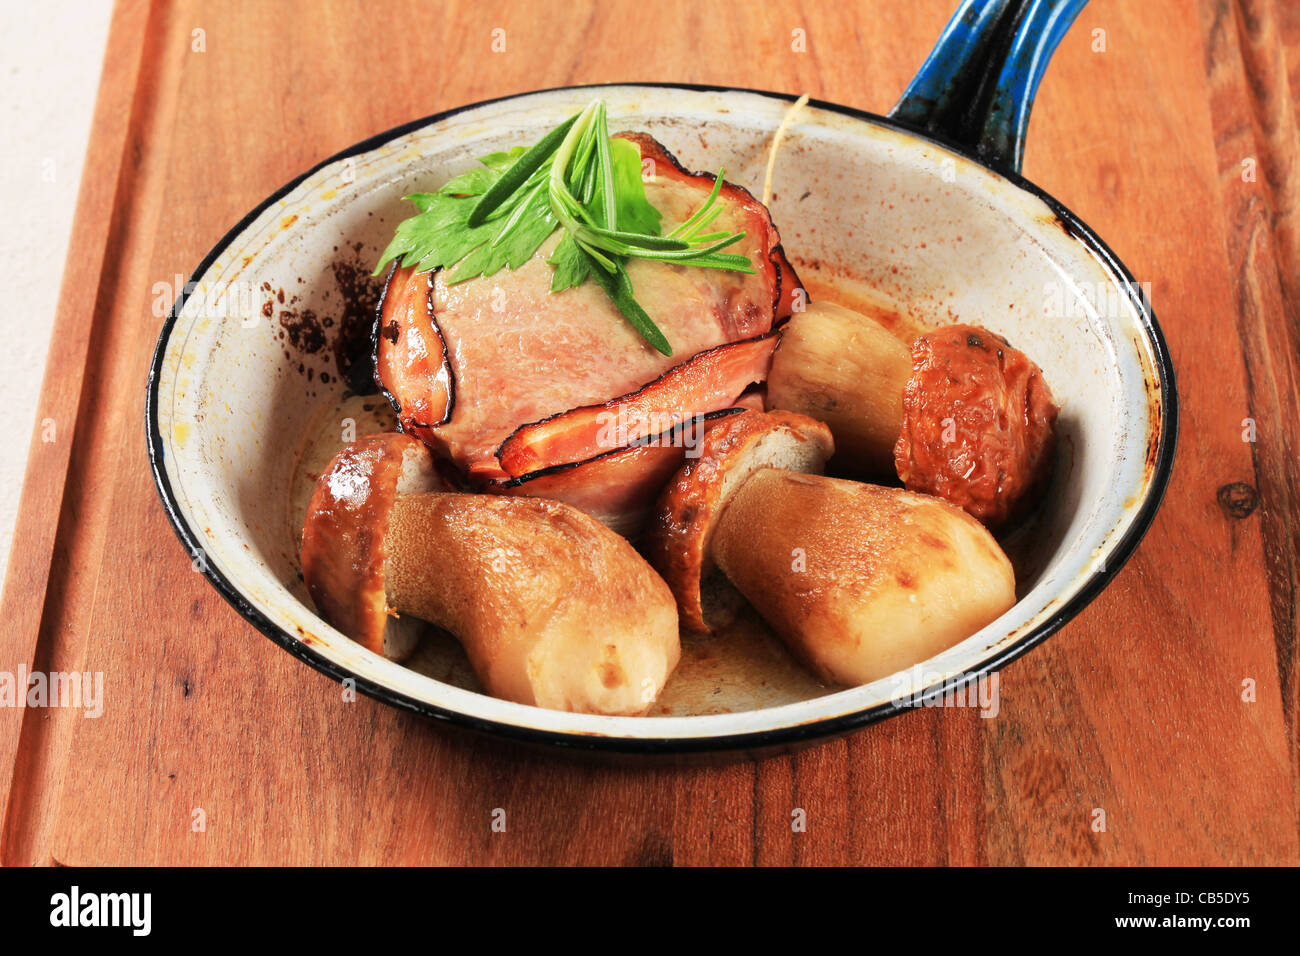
[{"x": 577, "y": 179}]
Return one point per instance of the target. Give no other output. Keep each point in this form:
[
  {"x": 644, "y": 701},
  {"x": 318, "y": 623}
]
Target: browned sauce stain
[
  {"x": 302, "y": 328},
  {"x": 341, "y": 329},
  {"x": 359, "y": 293}
]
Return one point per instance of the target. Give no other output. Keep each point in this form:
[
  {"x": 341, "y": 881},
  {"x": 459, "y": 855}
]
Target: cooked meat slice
[
  {"x": 517, "y": 353},
  {"x": 410, "y": 356},
  {"x": 789, "y": 285},
  {"x": 712, "y": 380},
  {"x": 618, "y": 487}
]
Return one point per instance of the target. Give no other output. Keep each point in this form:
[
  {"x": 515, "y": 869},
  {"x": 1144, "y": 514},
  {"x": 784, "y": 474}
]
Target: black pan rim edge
[{"x": 790, "y": 736}]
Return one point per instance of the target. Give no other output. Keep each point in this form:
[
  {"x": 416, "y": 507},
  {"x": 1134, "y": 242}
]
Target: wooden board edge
[{"x": 39, "y": 525}]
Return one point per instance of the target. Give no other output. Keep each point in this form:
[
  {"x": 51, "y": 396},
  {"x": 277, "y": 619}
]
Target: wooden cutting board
[{"x": 1170, "y": 704}]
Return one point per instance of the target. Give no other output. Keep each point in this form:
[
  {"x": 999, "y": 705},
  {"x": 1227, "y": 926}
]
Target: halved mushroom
[
  {"x": 553, "y": 609},
  {"x": 859, "y": 581},
  {"x": 678, "y": 543}
]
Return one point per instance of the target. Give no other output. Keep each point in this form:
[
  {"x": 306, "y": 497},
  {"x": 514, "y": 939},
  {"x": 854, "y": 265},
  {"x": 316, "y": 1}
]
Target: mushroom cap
[
  {"x": 679, "y": 541},
  {"x": 978, "y": 424},
  {"x": 344, "y": 552}
]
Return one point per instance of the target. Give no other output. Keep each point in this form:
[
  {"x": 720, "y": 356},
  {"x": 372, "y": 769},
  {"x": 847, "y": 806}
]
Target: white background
[{"x": 51, "y": 52}]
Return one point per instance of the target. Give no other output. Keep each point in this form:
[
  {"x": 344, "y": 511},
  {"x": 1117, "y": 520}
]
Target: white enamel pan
[{"x": 922, "y": 212}]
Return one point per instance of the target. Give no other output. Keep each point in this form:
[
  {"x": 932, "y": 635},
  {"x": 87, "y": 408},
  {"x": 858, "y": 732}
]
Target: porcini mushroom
[
  {"x": 345, "y": 538},
  {"x": 978, "y": 424},
  {"x": 963, "y": 415},
  {"x": 553, "y": 609},
  {"x": 678, "y": 542},
  {"x": 858, "y": 580}
]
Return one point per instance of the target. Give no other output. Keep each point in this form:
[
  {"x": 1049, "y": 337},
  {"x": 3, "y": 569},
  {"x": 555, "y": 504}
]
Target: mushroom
[
  {"x": 553, "y": 609},
  {"x": 978, "y": 424},
  {"x": 678, "y": 542},
  {"x": 964, "y": 416},
  {"x": 858, "y": 580},
  {"x": 344, "y": 540}
]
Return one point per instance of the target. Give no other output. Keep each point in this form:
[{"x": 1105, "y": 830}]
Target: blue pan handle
[{"x": 977, "y": 86}]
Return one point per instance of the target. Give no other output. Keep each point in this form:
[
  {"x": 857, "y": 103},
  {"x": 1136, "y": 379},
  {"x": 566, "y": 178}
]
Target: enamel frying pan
[{"x": 922, "y": 212}]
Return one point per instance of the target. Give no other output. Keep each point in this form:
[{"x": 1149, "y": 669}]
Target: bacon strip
[
  {"x": 787, "y": 284},
  {"x": 712, "y": 380},
  {"x": 410, "y": 354},
  {"x": 773, "y": 265},
  {"x": 617, "y": 487}
]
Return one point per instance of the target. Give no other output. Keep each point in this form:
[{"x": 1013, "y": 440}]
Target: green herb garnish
[{"x": 578, "y": 179}]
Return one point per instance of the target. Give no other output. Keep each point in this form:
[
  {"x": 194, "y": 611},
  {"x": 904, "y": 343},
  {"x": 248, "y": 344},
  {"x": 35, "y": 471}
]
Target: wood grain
[
  {"x": 1135, "y": 708},
  {"x": 1259, "y": 159},
  {"x": 40, "y": 551}
]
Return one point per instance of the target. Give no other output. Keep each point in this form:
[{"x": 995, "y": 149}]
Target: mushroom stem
[
  {"x": 844, "y": 369},
  {"x": 860, "y": 581}
]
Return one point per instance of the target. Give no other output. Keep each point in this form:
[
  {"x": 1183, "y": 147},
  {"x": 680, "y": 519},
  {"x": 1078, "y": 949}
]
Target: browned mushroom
[
  {"x": 978, "y": 424},
  {"x": 345, "y": 538},
  {"x": 860, "y": 581},
  {"x": 552, "y": 608},
  {"x": 678, "y": 543},
  {"x": 964, "y": 416}
]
